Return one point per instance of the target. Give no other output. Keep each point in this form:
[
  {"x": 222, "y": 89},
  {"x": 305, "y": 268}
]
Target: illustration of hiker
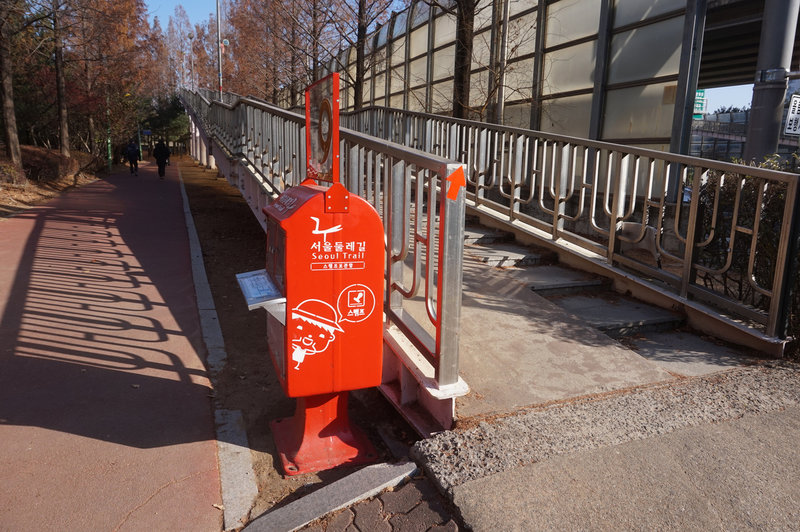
[{"x": 314, "y": 326}]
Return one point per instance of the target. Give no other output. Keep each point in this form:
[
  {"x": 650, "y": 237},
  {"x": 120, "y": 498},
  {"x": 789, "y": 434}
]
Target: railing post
[
  {"x": 450, "y": 274},
  {"x": 620, "y": 167},
  {"x": 561, "y": 175},
  {"x": 780, "y": 311},
  {"x": 692, "y": 228},
  {"x": 395, "y": 227},
  {"x": 482, "y": 158}
]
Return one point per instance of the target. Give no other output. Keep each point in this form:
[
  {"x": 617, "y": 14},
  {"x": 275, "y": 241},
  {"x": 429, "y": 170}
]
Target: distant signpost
[
  {"x": 793, "y": 117},
  {"x": 700, "y": 103}
]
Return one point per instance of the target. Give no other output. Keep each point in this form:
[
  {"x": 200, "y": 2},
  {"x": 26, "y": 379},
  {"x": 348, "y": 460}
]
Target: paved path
[
  {"x": 105, "y": 415},
  {"x": 739, "y": 475}
]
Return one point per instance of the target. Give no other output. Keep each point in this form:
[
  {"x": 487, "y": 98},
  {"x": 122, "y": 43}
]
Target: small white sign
[
  {"x": 259, "y": 290},
  {"x": 700, "y": 101},
  {"x": 793, "y": 117}
]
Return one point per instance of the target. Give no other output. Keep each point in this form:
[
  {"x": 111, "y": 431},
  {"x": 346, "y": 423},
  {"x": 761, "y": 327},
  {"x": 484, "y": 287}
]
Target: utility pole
[
  {"x": 769, "y": 91},
  {"x": 219, "y": 51},
  {"x": 191, "y": 58}
]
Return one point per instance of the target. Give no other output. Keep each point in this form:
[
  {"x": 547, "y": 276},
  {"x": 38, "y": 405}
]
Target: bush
[{"x": 11, "y": 174}]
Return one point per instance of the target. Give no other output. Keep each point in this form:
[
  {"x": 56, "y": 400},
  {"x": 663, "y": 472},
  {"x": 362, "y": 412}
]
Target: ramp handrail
[
  {"x": 717, "y": 232},
  {"x": 423, "y": 228}
]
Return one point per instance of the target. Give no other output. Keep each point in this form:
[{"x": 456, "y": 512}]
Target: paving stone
[
  {"x": 403, "y": 500},
  {"x": 425, "y": 515},
  {"x": 358, "y": 486},
  {"x": 369, "y": 517},
  {"x": 340, "y": 522},
  {"x": 426, "y": 488}
]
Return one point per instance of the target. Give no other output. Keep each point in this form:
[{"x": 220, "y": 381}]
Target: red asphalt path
[{"x": 105, "y": 410}]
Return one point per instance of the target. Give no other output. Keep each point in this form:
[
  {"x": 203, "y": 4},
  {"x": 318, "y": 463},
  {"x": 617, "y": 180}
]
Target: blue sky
[
  {"x": 738, "y": 96},
  {"x": 197, "y": 10}
]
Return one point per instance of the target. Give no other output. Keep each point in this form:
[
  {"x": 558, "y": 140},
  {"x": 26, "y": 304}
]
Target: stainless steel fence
[
  {"x": 423, "y": 228},
  {"x": 706, "y": 230}
]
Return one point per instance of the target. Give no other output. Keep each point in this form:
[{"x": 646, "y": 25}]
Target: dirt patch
[
  {"x": 233, "y": 242},
  {"x": 45, "y": 175}
]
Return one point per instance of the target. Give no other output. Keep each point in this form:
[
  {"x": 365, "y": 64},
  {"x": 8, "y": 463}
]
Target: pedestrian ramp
[{"x": 534, "y": 331}]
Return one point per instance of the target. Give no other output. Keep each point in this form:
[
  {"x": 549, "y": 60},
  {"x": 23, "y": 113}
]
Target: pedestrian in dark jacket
[
  {"x": 133, "y": 154},
  {"x": 161, "y": 154}
]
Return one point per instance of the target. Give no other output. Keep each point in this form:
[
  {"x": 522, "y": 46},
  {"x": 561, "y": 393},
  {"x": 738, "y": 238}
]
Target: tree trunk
[
  {"x": 10, "y": 134},
  {"x": 465, "y": 29},
  {"x": 361, "y": 41},
  {"x": 63, "y": 126}
]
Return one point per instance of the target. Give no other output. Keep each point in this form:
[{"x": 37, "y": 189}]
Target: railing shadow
[{"x": 100, "y": 332}]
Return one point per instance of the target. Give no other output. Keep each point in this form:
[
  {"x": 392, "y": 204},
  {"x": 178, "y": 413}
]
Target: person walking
[
  {"x": 132, "y": 153},
  {"x": 161, "y": 154}
]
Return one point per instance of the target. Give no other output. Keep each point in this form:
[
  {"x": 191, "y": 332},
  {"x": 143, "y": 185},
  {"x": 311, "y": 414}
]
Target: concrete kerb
[
  {"x": 237, "y": 477},
  {"x": 356, "y": 487}
]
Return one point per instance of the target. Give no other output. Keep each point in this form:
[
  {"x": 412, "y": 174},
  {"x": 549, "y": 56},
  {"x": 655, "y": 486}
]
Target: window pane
[
  {"x": 419, "y": 41},
  {"x": 518, "y": 6},
  {"x": 480, "y": 50},
  {"x": 567, "y": 116},
  {"x": 443, "y": 97},
  {"x": 646, "y": 52},
  {"x": 639, "y": 112},
  {"x": 397, "y": 79},
  {"x": 399, "y": 51},
  {"x": 400, "y": 23},
  {"x": 626, "y": 12},
  {"x": 483, "y": 17},
  {"x": 519, "y": 78},
  {"x": 569, "y": 69},
  {"x": 420, "y": 16},
  {"x": 380, "y": 85},
  {"x": 383, "y": 33},
  {"x": 569, "y": 20},
  {"x": 518, "y": 115},
  {"x": 522, "y": 36},
  {"x": 445, "y": 32},
  {"x": 416, "y": 100},
  {"x": 479, "y": 89},
  {"x": 418, "y": 71},
  {"x": 443, "y": 62}
]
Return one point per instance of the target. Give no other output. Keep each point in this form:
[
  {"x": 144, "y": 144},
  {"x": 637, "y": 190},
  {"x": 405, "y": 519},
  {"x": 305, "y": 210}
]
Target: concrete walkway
[
  {"x": 105, "y": 411},
  {"x": 739, "y": 475}
]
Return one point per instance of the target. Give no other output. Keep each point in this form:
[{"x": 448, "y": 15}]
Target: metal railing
[
  {"x": 423, "y": 228},
  {"x": 717, "y": 232}
]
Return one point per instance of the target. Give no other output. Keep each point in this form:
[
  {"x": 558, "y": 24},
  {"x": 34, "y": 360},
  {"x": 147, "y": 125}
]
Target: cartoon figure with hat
[{"x": 314, "y": 324}]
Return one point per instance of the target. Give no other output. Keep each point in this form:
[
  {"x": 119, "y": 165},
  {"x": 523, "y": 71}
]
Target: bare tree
[
  {"x": 11, "y": 17},
  {"x": 58, "y": 61},
  {"x": 464, "y": 12},
  {"x": 354, "y": 20}
]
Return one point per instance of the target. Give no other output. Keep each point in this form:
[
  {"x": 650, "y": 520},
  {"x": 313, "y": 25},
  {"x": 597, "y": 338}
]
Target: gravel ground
[{"x": 455, "y": 457}]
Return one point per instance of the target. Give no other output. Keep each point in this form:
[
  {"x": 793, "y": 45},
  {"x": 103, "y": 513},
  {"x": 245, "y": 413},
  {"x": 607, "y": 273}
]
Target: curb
[
  {"x": 356, "y": 487},
  {"x": 237, "y": 478}
]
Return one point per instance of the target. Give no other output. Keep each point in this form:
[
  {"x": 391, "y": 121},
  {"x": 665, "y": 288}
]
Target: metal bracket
[
  {"x": 337, "y": 199},
  {"x": 772, "y": 75}
]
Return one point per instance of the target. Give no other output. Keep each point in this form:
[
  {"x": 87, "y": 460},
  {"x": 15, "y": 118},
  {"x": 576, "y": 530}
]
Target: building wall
[{"x": 605, "y": 69}]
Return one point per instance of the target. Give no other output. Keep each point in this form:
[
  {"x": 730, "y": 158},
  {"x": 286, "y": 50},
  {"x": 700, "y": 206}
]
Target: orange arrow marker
[{"x": 457, "y": 180}]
